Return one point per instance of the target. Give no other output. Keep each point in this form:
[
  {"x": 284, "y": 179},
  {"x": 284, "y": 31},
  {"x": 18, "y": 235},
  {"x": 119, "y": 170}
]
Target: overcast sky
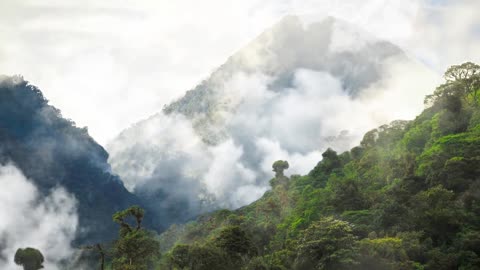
[{"x": 109, "y": 63}]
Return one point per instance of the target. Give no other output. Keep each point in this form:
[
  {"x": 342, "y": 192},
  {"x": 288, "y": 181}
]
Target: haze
[{"x": 108, "y": 64}]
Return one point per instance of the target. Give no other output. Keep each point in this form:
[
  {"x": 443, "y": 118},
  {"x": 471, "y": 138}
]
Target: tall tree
[
  {"x": 327, "y": 244},
  {"x": 101, "y": 251},
  {"x": 461, "y": 81},
  {"x": 136, "y": 248},
  {"x": 279, "y": 166},
  {"x": 29, "y": 258}
]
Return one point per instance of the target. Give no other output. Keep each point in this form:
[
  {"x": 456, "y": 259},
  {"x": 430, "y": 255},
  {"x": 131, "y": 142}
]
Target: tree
[
  {"x": 369, "y": 139},
  {"x": 208, "y": 257},
  {"x": 198, "y": 257},
  {"x": 463, "y": 72},
  {"x": 279, "y": 166},
  {"x": 180, "y": 256},
  {"x": 327, "y": 244},
  {"x": 137, "y": 247},
  {"x": 101, "y": 252},
  {"x": 437, "y": 213},
  {"x": 383, "y": 253},
  {"x": 346, "y": 194},
  {"x": 330, "y": 162},
  {"x": 235, "y": 243},
  {"x": 122, "y": 216},
  {"x": 29, "y": 258},
  {"x": 257, "y": 263},
  {"x": 461, "y": 81}
]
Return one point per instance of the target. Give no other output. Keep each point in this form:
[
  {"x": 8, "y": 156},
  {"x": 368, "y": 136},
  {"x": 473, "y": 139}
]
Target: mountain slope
[
  {"x": 52, "y": 152},
  {"x": 407, "y": 197},
  {"x": 291, "y": 93},
  {"x": 330, "y": 45}
]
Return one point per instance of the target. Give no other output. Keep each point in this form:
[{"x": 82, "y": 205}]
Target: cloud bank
[
  {"x": 107, "y": 64},
  {"x": 28, "y": 220},
  {"x": 296, "y": 123}
]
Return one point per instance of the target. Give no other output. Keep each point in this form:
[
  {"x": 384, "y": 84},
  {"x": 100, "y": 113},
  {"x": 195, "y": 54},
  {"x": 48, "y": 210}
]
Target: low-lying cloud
[
  {"x": 295, "y": 123},
  {"x": 30, "y": 220},
  {"x": 94, "y": 67}
]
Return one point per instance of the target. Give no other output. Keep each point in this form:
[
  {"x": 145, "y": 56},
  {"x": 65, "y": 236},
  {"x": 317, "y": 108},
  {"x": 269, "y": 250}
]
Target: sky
[{"x": 107, "y": 64}]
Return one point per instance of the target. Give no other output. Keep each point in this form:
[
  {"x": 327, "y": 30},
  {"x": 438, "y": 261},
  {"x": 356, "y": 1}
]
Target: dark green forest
[{"x": 408, "y": 197}]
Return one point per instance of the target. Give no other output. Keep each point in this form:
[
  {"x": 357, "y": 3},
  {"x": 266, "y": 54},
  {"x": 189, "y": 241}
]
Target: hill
[
  {"x": 291, "y": 93},
  {"x": 52, "y": 152},
  {"x": 407, "y": 197}
]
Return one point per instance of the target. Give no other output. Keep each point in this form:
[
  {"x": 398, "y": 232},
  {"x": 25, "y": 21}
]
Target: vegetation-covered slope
[
  {"x": 271, "y": 91},
  {"x": 52, "y": 151},
  {"x": 407, "y": 198}
]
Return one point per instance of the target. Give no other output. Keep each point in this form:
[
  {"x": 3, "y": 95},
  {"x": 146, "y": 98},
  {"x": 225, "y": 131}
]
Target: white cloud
[
  {"x": 302, "y": 122},
  {"x": 165, "y": 153},
  {"x": 299, "y": 163},
  {"x": 30, "y": 220},
  {"x": 162, "y": 145},
  {"x": 107, "y": 64},
  {"x": 295, "y": 124},
  {"x": 232, "y": 184},
  {"x": 446, "y": 33}
]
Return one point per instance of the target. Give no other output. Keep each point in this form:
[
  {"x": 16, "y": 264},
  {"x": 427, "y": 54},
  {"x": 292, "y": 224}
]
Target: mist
[
  {"x": 151, "y": 52},
  {"x": 171, "y": 155},
  {"x": 224, "y": 100},
  {"x": 29, "y": 219}
]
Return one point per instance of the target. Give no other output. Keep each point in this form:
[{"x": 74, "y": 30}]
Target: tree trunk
[{"x": 102, "y": 257}]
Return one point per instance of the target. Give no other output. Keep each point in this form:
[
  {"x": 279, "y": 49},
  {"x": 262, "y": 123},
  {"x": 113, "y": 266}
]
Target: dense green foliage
[
  {"x": 29, "y": 258},
  {"x": 136, "y": 248},
  {"x": 408, "y": 197}
]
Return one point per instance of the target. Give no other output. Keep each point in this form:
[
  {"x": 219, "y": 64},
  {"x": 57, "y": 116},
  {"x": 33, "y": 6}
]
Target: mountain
[
  {"x": 406, "y": 197},
  {"x": 51, "y": 151},
  {"x": 333, "y": 46},
  {"x": 291, "y": 93}
]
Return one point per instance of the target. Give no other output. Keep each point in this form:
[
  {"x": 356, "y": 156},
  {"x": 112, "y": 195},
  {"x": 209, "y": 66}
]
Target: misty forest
[{"x": 316, "y": 145}]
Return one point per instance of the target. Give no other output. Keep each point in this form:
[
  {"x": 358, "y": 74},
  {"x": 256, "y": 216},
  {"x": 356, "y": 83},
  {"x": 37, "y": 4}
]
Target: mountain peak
[
  {"x": 326, "y": 45},
  {"x": 11, "y": 80},
  {"x": 290, "y": 92}
]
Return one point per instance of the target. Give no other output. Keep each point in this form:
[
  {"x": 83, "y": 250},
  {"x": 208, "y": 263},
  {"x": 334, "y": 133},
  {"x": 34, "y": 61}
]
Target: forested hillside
[
  {"x": 408, "y": 197},
  {"x": 52, "y": 152}
]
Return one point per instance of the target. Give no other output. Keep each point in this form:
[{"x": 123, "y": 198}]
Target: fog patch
[
  {"x": 168, "y": 154},
  {"x": 228, "y": 179},
  {"x": 29, "y": 220}
]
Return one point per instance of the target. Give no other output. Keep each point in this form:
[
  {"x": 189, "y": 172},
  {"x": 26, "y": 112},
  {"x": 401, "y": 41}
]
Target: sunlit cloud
[
  {"x": 108, "y": 64},
  {"x": 31, "y": 220}
]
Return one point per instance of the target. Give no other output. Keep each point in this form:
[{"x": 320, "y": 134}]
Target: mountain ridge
[
  {"x": 52, "y": 151},
  {"x": 406, "y": 197},
  {"x": 282, "y": 41},
  {"x": 221, "y": 135}
]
